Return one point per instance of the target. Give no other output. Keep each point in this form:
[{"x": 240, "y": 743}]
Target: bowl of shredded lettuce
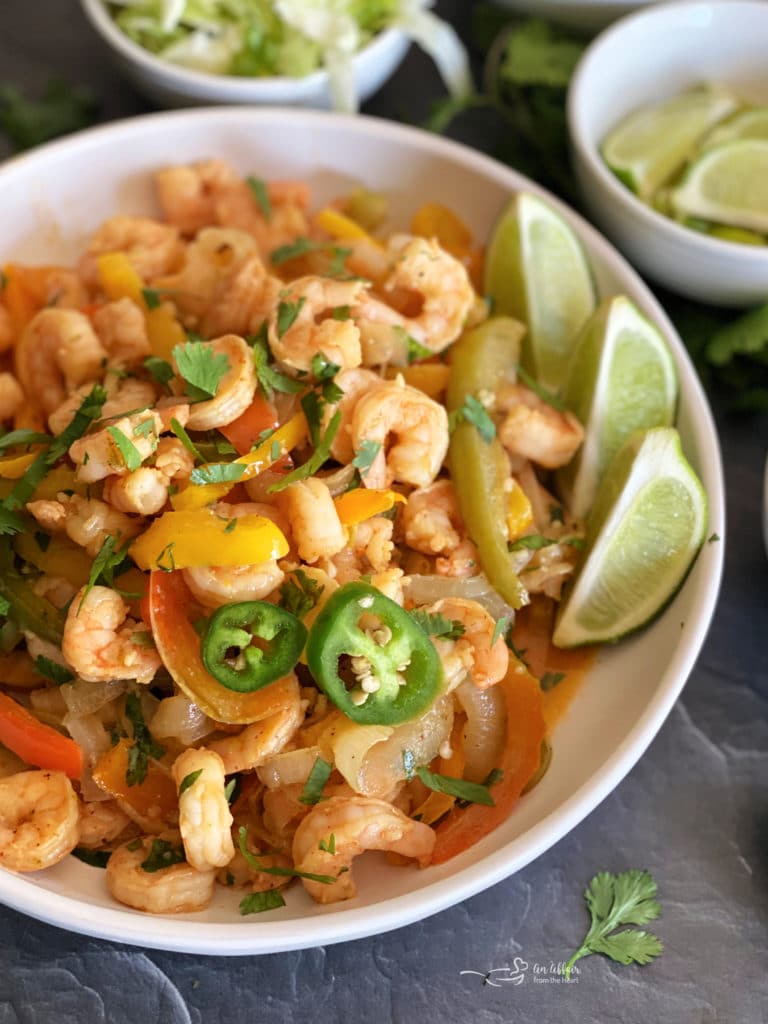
[{"x": 311, "y": 53}]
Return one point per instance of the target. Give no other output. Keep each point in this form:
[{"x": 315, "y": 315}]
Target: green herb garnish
[
  {"x": 49, "y": 669},
  {"x": 472, "y": 792},
  {"x": 312, "y": 792},
  {"x": 144, "y": 745},
  {"x": 189, "y": 780},
  {"x": 201, "y": 368},
  {"x": 300, "y": 593},
  {"x": 437, "y": 625},
  {"x": 365, "y": 456},
  {"x": 258, "y": 902},
  {"x": 162, "y": 855}
]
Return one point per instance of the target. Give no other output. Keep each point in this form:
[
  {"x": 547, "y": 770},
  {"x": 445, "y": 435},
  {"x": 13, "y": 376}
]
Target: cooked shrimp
[
  {"x": 57, "y": 351},
  {"x": 145, "y": 491},
  {"x": 484, "y": 660},
  {"x": 383, "y": 332},
  {"x": 101, "y": 822},
  {"x": 179, "y": 889},
  {"x": 535, "y": 430},
  {"x": 240, "y": 873},
  {"x": 173, "y": 460},
  {"x": 123, "y": 396},
  {"x": 433, "y": 525},
  {"x": 372, "y": 543},
  {"x": 353, "y": 383},
  {"x": 422, "y": 266},
  {"x": 98, "y": 639},
  {"x": 391, "y": 583},
  {"x": 357, "y": 824},
  {"x": 39, "y": 820},
  {"x": 56, "y": 589},
  {"x": 314, "y": 521},
  {"x": 312, "y": 329},
  {"x": 11, "y": 396},
  {"x": 418, "y": 425},
  {"x": 86, "y": 521},
  {"x": 99, "y": 455},
  {"x": 153, "y": 248},
  {"x": 204, "y": 816},
  {"x": 236, "y": 388},
  {"x": 122, "y": 330},
  {"x": 255, "y": 743}
]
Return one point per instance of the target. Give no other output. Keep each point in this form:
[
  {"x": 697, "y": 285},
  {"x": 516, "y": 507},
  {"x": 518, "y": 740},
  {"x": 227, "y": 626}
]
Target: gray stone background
[{"x": 694, "y": 810}]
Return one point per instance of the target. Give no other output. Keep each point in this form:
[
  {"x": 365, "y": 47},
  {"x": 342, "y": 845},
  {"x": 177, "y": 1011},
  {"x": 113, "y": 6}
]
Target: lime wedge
[
  {"x": 729, "y": 185},
  {"x": 622, "y": 379},
  {"x": 537, "y": 271},
  {"x": 747, "y": 124},
  {"x": 643, "y": 533},
  {"x": 651, "y": 145}
]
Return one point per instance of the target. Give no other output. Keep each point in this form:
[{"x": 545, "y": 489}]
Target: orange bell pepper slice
[
  {"x": 179, "y": 647},
  {"x": 244, "y": 432},
  {"x": 433, "y": 220},
  {"x": 522, "y": 752},
  {"x": 431, "y": 378},
  {"x": 36, "y": 743},
  {"x": 155, "y": 799},
  {"x": 356, "y": 506},
  {"x": 13, "y": 467}
]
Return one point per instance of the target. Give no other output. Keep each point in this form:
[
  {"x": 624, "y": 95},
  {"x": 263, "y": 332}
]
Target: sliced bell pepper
[
  {"x": 519, "y": 511},
  {"x": 13, "y": 467},
  {"x": 275, "y": 448},
  {"x": 154, "y": 800},
  {"x": 178, "y": 540},
  {"x": 244, "y": 432},
  {"x": 27, "y": 608},
  {"x": 356, "y": 506},
  {"x": 230, "y": 655},
  {"x": 338, "y": 225},
  {"x": 62, "y": 557},
  {"x": 36, "y": 743},
  {"x": 433, "y": 220},
  {"x": 179, "y": 647},
  {"x": 18, "y": 298},
  {"x": 431, "y": 378},
  {"x": 404, "y": 674},
  {"x": 119, "y": 280},
  {"x": 480, "y": 468},
  {"x": 522, "y": 754}
]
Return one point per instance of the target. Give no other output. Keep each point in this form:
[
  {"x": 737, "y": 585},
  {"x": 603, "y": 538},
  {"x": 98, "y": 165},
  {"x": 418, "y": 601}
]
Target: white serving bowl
[
  {"x": 170, "y": 85},
  {"x": 55, "y": 196},
  {"x": 646, "y": 57},
  {"x": 589, "y": 15}
]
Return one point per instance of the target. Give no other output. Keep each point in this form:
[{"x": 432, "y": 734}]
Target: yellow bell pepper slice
[
  {"x": 277, "y": 445},
  {"x": 356, "y": 506},
  {"x": 431, "y": 378},
  {"x": 519, "y": 511},
  {"x": 13, "y": 467},
  {"x": 119, "y": 280},
  {"x": 433, "y": 220},
  {"x": 338, "y": 225},
  {"x": 179, "y": 540},
  {"x": 62, "y": 557}
]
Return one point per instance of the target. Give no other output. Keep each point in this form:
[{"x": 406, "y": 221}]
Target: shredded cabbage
[{"x": 290, "y": 38}]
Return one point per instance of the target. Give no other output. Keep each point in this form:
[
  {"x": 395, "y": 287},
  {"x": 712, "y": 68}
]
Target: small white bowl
[
  {"x": 170, "y": 85},
  {"x": 592, "y": 14},
  {"x": 649, "y": 56}
]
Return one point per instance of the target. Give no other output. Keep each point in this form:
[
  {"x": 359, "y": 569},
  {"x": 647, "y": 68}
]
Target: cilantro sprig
[
  {"x": 315, "y": 461},
  {"x": 143, "y": 748},
  {"x": 258, "y": 902},
  {"x": 472, "y": 792},
  {"x": 312, "y": 792},
  {"x": 614, "y": 901},
  {"x": 300, "y": 593},
  {"x": 435, "y": 624},
  {"x": 201, "y": 368},
  {"x": 473, "y": 411},
  {"x": 256, "y": 864}
]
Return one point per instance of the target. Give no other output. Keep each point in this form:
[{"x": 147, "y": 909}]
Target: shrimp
[
  {"x": 11, "y": 396},
  {"x": 383, "y": 332},
  {"x": 236, "y": 388},
  {"x": 86, "y": 521},
  {"x": 101, "y": 822},
  {"x": 145, "y": 491},
  {"x": 239, "y": 872},
  {"x": 122, "y": 330},
  {"x": 419, "y": 426},
  {"x": 391, "y": 583},
  {"x": 422, "y": 266},
  {"x": 357, "y": 824},
  {"x": 57, "y": 351},
  {"x": 123, "y": 396},
  {"x": 255, "y": 743},
  {"x": 97, "y": 456},
  {"x": 39, "y": 820},
  {"x": 215, "y": 585},
  {"x": 178, "y": 889},
  {"x": 303, "y": 325},
  {"x": 205, "y": 820},
  {"x": 353, "y": 383},
  {"x": 371, "y": 541},
  {"x": 314, "y": 521},
  {"x": 153, "y": 248},
  {"x": 480, "y": 656},
  {"x": 535, "y": 430},
  {"x": 98, "y": 639},
  {"x": 433, "y": 525}
]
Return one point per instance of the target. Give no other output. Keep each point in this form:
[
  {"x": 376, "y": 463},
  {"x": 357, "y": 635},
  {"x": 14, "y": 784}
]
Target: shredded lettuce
[{"x": 289, "y": 38}]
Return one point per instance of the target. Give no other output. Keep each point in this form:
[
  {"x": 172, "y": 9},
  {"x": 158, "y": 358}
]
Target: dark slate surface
[{"x": 694, "y": 811}]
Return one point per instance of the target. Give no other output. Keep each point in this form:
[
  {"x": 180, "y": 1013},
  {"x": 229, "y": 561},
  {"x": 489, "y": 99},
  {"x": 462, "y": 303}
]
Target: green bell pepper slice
[
  {"x": 480, "y": 361},
  {"x": 232, "y": 658},
  {"x": 404, "y": 668},
  {"x": 25, "y": 607}
]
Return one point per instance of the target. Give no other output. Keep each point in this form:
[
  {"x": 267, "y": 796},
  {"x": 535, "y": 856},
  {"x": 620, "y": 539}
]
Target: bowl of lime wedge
[{"x": 668, "y": 118}]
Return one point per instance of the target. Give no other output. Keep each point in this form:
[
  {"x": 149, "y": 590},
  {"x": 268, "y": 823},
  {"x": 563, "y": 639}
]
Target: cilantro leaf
[
  {"x": 322, "y": 367},
  {"x": 108, "y": 559},
  {"x": 217, "y": 473},
  {"x": 365, "y": 456},
  {"x": 531, "y": 542},
  {"x": 313, "y": 787},
  {"x": 62, "y": 108},
  {"x": 185, "y": 439},
  {"x": 258, "y": 902},
  {"x": 5, "y": 606},
  {"x": 270, "y": 379},
  {"x": 256, "y": 864},
  {"x": 17, "y": 438},
  {"x": 160, "y": 369},
  {"x": 151, "y": 297},
  {"x": 315, "y": 461},
  {"x": 613, "y": 901},
  {"x": 546, "y": 396},
  {"x": 260, "y": 193},
  {"x": 299, "y": 247},
  {"x": 501, "y": 628},
  {"x": 437, "y": 625},
  {"x": 300, "y": 593},
  {"x": 287, "y": 313},
  {"x": 473, "y": 411},
  {"x": 341, "y": 312},
  {"x": 162, "y": 854},
  {"x": 328, "y": 845},
  {"x": 417, "y": 351},
  {"x": 472, "y": 792},
  {"x": 129, "y": 453},
  {"x": 550, "y": 680},
  {"x": 95, "y": 858},
  {"x": 189, "y": 780},
  {"x": 144, "y": 746},
  {"x": 201, "y": 368},
  {"x": 49, "y": 669}
]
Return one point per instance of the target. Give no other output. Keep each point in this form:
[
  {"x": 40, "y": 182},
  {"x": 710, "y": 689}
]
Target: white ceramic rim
[
  {"x": 339, "y": 925},
  {"x": 229, "y": 88},
  {"x": 590, "y": 66}
]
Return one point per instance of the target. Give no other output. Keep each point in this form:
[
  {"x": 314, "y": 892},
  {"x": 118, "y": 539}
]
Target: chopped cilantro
[
  {"x": 201, "y": 368},
  {"x": 258, "y": 902},
  {"x": 108, "y": 559},
  {"x": 473, "y": 411},
  {"x": 130, "y": 454},
  {"x": 312, "y": 792},
  {"x": 300, "y": 593},
  {"x": 185, "y": 439},
  {"x": 417, "y": 351},
  {"x": 217, "y": 473},
  {"x": 256, "y": 864},
  {"x": 49, "y": 669},
  {"x": 316, "y": 460},
  {"x": 151, "y": 297},
  {"x": 365, "y": 456},
  {"x": 162, "y": 855},
  {"x": 322, "y": 367},
  {"x": 232, "y": 789},
  {"x": 160, "y": 369},
  {"x": 341, "y": 312},
  {"x": 231, "y": 525},
  {"x": 328, "y": 845},
  {"x": 550, "y": 680},
  {"x": 287, "y": 313},
  {"x": 437, "y": 625},
  {"x": 189, "y": 780},
  {"x": 546, "y": 396},
  {"x": 165, "y": 560},
  {"x": 501, "y": 628},
  {"x": 713, "y": 538},
  {"x": 144, "y": 746},
  {"x": 531, "y": 542},
  {"x": 260, "y": 193},
  {"x": 95, "y": 858},
  {"x": 270, "y": 379},
  {"x": 472, "y": 792}
]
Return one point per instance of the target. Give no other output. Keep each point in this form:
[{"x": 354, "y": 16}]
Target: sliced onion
[
  {"x": 180, "y": 718},
  {"x": 339, "y": 480},
  {"x": 351, "y": 746},
  {"x": 291, "y": 767},
  {"x": 83, "y": 698},
  {"x": 93, "y": 739},
  {"x": 484, "y": 733},
  {"x": 428, "y": 589}
]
